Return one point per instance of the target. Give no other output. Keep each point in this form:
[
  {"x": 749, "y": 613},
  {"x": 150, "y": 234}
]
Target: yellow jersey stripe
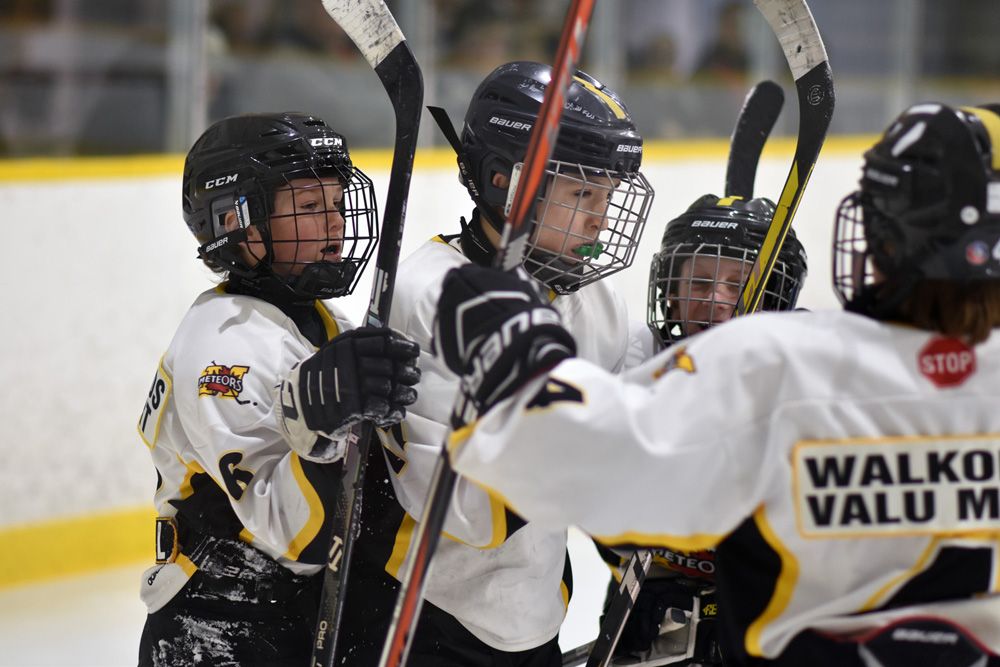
[
  {"x": 783, "y": 589},
  {"x": 316, "y": 513}
]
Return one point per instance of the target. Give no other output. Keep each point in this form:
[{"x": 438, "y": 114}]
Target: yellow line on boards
[
  {"x": 369, "y": 160},
  {"x": 77, "y": 545}
]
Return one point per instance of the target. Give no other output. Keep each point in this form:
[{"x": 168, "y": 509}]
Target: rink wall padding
[{"x": 99, "y": 268}]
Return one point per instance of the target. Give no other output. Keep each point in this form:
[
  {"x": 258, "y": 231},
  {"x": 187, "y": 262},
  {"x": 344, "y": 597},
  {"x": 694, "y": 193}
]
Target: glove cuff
[{"x": 308, "y": 444}]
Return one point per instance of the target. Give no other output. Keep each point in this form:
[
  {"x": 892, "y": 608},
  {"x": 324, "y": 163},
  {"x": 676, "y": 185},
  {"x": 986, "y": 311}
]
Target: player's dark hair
[{"x": 962, "y": 310}]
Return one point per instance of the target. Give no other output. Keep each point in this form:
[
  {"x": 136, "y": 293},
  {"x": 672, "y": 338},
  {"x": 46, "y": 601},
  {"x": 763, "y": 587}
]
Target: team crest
[
  {"x": 694, "y": 564},
  {"x": 680, "y": 359},
  {"x": 222, "y": 381}
]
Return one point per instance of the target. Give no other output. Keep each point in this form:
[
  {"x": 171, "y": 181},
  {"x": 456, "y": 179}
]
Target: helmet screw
[{"x": 969, "y": 215}]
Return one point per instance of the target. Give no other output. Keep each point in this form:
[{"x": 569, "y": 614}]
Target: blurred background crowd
[{"x": 107, "y": 77}]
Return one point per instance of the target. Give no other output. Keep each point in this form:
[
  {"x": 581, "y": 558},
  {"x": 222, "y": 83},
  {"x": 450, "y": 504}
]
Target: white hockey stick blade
[
  {"x": 370, "y": 26},
  {"x": 796, "y": 31}
]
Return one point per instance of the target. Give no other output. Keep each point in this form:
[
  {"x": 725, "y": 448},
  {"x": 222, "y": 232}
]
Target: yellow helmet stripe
[{"x": 616, "y": 108}]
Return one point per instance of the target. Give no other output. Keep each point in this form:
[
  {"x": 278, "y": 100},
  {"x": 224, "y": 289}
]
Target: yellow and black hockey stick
[{"x": 802, "y": 45}]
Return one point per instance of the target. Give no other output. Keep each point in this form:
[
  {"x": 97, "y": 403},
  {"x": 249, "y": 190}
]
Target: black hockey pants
[{"x": 240, "y": 609}]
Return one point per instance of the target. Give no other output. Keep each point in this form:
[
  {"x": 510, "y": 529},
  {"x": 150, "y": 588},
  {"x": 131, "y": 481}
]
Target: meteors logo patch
[
  {"x": 222, "y": 381},
  {"x": 696, "y": 564}
]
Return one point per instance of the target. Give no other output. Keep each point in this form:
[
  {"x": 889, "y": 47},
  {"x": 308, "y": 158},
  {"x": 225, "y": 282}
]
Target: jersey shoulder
[
  {"x": 784, "y": 331},
  {"x": 418, "y": 286},
  {"x": 338, "y": 315},
  {"x": 234, "y": 335}
]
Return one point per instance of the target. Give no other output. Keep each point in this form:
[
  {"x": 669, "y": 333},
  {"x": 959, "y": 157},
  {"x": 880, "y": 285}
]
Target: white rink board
[{"x": 97, "y": 274}]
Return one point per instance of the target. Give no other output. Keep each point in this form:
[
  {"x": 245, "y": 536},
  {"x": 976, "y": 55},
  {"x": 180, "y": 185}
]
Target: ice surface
[{"x": 96, "y": 620}]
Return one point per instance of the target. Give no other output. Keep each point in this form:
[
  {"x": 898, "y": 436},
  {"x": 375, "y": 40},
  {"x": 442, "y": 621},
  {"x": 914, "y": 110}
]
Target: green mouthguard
[{"x": 593, "y": 250}]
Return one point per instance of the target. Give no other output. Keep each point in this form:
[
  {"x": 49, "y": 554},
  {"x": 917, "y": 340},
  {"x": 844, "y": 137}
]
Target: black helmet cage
[
  {"x": 711, "y": 231},
  {"x": 928, "y": 207},
  {"x": 598, "y": 148},
  {"x": 241, "y": 164}
]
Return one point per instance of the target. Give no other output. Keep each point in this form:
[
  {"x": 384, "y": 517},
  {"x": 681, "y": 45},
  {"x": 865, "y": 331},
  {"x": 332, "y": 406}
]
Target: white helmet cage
[{"x": 587, "y": 225}]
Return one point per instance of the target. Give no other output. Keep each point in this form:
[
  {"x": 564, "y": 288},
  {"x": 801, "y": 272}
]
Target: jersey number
[{"x": 236, "y": 479}]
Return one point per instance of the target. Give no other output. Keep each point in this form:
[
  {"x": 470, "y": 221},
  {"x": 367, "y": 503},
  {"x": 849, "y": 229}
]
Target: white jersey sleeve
[
  {"x": 615, "y": 424},
  {"x": 852, "y": 465},
  {"x": 210, "y": 416}
]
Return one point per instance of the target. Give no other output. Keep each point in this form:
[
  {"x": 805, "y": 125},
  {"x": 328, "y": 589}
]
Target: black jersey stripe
[{"x": 756, "y": 588}]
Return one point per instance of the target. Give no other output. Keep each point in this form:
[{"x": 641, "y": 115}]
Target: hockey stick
[
  {"x": 510, "y": 254},
  {"x": 799, "y": 37},
  {"x": 372, "y": 28},
  {"x": 619, "y": 609},
  {"x": 758, "y": 115},
  {"x": 760, "y": 112}
]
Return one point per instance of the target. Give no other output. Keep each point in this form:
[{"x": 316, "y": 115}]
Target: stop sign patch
[{"x": 947, "y": 362}]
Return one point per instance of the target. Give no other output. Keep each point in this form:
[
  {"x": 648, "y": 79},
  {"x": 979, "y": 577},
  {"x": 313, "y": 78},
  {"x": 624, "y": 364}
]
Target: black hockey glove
[
  {"x": 495, "y": 330},
  {"x": 367, "y": 373}
]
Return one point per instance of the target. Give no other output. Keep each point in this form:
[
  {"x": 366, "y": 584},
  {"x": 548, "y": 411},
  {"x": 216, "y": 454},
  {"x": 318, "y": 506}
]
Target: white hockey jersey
[
  {"x": 210, "y": 425},
  {"x": 501, "y": 578},
  {"x": 852, "y": 465}
]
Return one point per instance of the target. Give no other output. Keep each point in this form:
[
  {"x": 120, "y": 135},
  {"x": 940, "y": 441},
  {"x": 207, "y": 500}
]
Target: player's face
[
  {"x": 707, "y": 290},
  {"x": 573, "y": 213},
  {"x": 307, "y": 224}
]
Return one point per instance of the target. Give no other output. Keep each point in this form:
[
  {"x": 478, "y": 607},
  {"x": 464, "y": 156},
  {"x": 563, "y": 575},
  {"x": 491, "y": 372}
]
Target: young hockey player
[
  {"x": 498, "y": 588},
  {"x": 706, "y": 253},
  {"x": 694, "y": 282},
  {"x": 259, "y": 391},
  {"x": 843, "y": 464}
]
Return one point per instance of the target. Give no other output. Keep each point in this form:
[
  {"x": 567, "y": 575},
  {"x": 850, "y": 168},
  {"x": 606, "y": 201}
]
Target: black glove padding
[
  {"x": 366, "y": 373},
  {"x": 495, "y": 331}
]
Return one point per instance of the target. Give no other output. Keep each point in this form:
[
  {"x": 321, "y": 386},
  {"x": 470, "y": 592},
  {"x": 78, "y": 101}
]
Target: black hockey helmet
[
  {"x": 684, "y": 299},
  {"x": 239, "y": 164},
  {"x": 928, "y": 208},
  {"x": 596, "y": 129},
  {"x": 598, "y": 146}
]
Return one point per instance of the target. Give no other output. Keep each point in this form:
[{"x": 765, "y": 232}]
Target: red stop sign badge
[{"x": 947, "y": 362}]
